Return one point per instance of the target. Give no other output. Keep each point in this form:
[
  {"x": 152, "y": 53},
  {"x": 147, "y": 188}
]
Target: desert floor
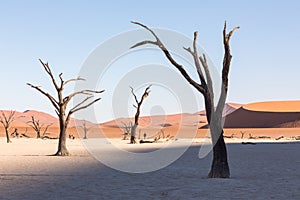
[{"x": 262, "y": 171}]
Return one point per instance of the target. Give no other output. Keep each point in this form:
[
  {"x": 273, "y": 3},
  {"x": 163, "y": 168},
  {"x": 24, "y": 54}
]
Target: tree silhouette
[
  {"x": 127, "y": 129},
  {"x": 219, "y": 167},
  {"x": 61, "y": 102},
  {"x": 37, "y": 127},
  {"x": 85, "y": 129},
  {"x": 138, "y": 110},
  {"x": 6, "y": 122}
]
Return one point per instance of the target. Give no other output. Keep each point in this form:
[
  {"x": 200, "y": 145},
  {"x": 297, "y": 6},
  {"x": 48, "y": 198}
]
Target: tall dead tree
[
  {"x": 138, "y": 110},
  {"x": 37, "y": 127},
  {"x": 219, "y": 167},
  {"x": 61, "y": 102},
  {"x": 6, "y": 122}
]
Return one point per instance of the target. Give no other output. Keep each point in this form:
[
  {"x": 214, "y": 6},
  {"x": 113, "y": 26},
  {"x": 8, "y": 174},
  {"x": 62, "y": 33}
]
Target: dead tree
[
  {"x": 17, "y": 134},
  {"x": 37, "y": 127},
  {"x": 138, "y": 110},
  {"x": 127, "y": 129},
  {"x": 242, "y": 134},
  {"x": 85, "y": 129},
  {"x": 6, "y": 122},
  {"x": 61, "y": 102},
  {"x": 219, "y": 167}
]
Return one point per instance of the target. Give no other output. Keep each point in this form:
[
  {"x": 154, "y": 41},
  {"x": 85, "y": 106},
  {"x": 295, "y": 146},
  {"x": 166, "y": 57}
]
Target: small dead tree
[
  {"x": 6, "y": 121},
  {"x": 61, "y": 102},
  {"x": 126, "y": 129},
  {"x": 37, "y": 127},
  {"x": 85, "y": 129},
  {"x": 138, "y": 110},
  {"x": 18, "y": 135},
  {"x": 219, "y": 167},
  {"x": 242, "y": 134}
]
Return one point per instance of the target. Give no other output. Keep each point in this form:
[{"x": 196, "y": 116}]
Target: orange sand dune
[
  {"x": 274, "y": 106},
  {"x": 265, "y": 115},
  {"x": 262, "y": 116},
  {"x": 157, "y": 121}
]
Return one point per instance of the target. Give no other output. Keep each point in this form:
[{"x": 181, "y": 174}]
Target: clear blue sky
[{"x": 265, "y": 50}]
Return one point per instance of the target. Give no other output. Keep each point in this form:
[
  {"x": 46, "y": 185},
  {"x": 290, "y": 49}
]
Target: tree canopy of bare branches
[
  {"x": 137, "y": 106},
  {"x": 37, "y": 127},
  {"x": 61, "y": 102},
  {"x": 219, "y": 167},
  {"x": 6, "y": 121},
  {"x": 127, "y": 129}
]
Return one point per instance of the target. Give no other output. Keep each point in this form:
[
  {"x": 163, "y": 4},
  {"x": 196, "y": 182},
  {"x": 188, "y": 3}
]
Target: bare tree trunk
[
  {"x": 133, "y": 133},
  {"x": 7, "y": 136},
  {"x": 85, "y": 134},
  {"x": 219, "y": 166},
  {"x": 38, "y": 134},
  {"x": 62, "y": 146}
]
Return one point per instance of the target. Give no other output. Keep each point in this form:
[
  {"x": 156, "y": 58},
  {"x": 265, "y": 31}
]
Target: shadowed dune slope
[{"x": 280, "y": 114}]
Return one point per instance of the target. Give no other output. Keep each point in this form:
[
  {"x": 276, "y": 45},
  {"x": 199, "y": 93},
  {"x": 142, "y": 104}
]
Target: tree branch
[
  {"x": 226, "y": 67},
  {"x": 7, "y": 120},
  {"x": 61, "y": 81},
  {"x": 196, "y": 59},
  {"x": 135, "y": 98},
  {"x": 207, "y": 74},
  {"x": 34, "y": 124},
  {"x": 85, "y": 92},
  {"x": 52, "y": 100},
  {"x": 73, "y": 79},
  {"x": 144, "y": 43},
  {"x": 44, "y": 133},
  {"x": 158, "y": 43},
  {"x": 145, "y": 94},
  {"x": 82, "y": 102},
  {"x": 80, "y": 108},
  {"x": 49, "y": 72},
  {"x": 194, "y": 53}
]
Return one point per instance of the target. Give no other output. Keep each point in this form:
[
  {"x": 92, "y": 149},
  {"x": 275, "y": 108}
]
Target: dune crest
[{"x": 274, "y": 106}]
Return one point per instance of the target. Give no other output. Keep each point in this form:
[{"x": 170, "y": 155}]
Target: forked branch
[
  {"x": 180, "y": 68},
  {"x": 49, "y": 72},
  {"x": 7, "y": 120},
  {"x": 80, "y": 106},
  {"x": 226, "y": 67}
]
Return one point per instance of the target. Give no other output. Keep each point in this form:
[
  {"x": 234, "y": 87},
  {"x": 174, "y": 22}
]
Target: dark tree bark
[
  {"x": 138, "y": 110},
  {"x": 219, "y": 167},
  {"x": 6, "y": 122},
  {"x": 60, "y": 104}
]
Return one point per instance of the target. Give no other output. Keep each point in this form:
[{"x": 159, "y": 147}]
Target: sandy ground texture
[{"x": 260, "y": 171}]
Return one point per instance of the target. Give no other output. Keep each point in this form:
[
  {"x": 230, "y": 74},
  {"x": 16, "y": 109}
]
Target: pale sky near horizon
[{"x": 265, "y": 50}]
